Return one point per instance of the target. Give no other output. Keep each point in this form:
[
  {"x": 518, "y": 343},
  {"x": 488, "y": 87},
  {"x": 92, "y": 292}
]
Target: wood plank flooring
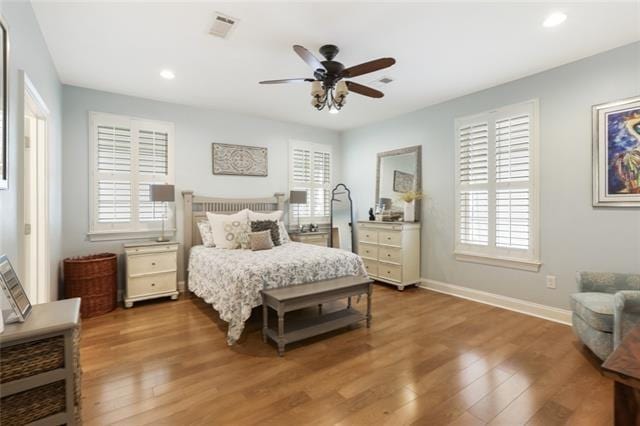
[{"x": 428, "y": 359}]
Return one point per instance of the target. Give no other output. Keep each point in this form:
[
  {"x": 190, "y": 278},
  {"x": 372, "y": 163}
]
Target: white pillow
[
  {"x": 276, "y": 215},
  {"x": 284, "y": 235},
  {"x": 217, "y": 227},
  {"x": 205, "y": 233}
]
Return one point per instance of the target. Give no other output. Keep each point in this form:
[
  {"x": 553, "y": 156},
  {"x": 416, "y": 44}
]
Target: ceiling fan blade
[
  {"x": 364, "y": 90},
  {"x": 308, "y": 57},
  {"x": 367, "y": 67},
  {"x": 287, "y": 80}
]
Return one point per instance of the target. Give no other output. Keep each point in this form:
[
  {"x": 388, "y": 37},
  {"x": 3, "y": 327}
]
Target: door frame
[{"x": 29, "y": 96}]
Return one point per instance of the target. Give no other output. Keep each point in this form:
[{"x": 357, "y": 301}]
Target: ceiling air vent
[
  {"x": 381, "y": 82},
  {"x": 385, "y": 80},
  {"x": 222, "y": 25}
]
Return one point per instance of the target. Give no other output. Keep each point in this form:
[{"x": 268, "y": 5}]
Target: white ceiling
[{"x": 442, "y": 50}]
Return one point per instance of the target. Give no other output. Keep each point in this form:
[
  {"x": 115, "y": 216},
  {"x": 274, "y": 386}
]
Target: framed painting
[
  {"x": 616, "y": 153},
  {"x": 4, "y": 105},
  {"x": 239, "y": 160}
]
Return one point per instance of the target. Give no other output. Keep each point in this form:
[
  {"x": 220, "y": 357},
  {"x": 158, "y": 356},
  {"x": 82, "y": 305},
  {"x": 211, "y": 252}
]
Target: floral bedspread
[{"x": 231, "y": 280}]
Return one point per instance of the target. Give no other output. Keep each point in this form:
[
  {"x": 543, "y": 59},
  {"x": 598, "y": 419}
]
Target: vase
[{"x": 410, "y": 211}]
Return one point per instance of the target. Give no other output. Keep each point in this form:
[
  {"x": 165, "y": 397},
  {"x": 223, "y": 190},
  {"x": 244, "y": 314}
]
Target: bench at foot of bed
[{"x": 287, "y": 299}]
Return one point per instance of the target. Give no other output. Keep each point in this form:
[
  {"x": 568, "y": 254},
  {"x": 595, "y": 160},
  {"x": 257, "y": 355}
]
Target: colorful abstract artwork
[{"x": 617, "y": 163}]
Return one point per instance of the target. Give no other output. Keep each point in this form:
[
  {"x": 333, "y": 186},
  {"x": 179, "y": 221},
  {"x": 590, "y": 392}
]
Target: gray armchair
[{"x": 605, "y": 309}]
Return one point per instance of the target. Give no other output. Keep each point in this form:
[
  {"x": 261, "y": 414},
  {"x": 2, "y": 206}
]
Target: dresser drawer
[
  {"x": 392, "y": 238},
  {"x": 368, "y": 250},
  {"x": 368, "y": 235},
  {"x": 390, "y": 271},
  {"x": 371, "y": 266},
  {"x": 151, "y": 284},
  {"x": 151, "y": 263},
  {"x": 390, "y": 254}
]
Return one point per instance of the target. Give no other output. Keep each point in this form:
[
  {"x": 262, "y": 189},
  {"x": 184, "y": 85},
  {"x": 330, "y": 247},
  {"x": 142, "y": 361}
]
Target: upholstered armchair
[{"x": 605, "y": 309}]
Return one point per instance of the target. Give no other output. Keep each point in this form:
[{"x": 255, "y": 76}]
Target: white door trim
[{"x": 29, "y": 96}]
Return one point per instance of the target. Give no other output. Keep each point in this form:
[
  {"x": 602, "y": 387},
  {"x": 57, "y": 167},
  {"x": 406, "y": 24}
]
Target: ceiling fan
[{"x": 328, "y": 88}]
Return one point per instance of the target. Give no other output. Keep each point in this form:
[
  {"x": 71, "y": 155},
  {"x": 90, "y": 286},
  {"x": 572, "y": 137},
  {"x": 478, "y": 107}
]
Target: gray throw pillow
[
  {"x": 260, "y": 240},
  {"x": 267, "y": 225}
]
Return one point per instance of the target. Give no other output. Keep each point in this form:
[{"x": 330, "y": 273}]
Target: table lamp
[
  {"x": 298, "y": 197},
  {"x": 163, "y": 194}
]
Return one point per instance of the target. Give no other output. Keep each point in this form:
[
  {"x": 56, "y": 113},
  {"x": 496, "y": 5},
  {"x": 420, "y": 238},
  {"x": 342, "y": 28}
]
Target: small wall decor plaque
[{"x": 239, "y": 160}]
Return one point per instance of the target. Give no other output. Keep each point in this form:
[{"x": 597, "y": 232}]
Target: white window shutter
[
  {"x": 474, "y": 153},
  {"x": 114, "y": 201},
  {"x": 310, "y": 171},
  {"x": 512, "y": 151},
  {"x": 113, "y": 169}
]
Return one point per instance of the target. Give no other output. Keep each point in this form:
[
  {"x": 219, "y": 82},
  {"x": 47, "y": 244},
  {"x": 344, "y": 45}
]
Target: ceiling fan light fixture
[
  {"x": 341, "y": 89},
  {"x": 333, "y": 110},
  {"x": 316, "y": 89}
]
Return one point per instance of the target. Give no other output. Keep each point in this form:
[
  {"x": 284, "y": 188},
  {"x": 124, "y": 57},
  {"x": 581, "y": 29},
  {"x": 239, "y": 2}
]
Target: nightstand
[
  {"x": 319, "y": 238},
  {"x": 152, "y": 270}
]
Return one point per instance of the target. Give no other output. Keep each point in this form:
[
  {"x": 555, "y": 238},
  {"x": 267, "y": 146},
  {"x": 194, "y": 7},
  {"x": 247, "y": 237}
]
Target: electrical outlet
[{"x": 551, "y": 281}]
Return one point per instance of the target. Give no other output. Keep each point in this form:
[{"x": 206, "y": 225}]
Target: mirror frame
[
  {"x": 353, "y": 235},
  {"x": 417, "y": 149}
]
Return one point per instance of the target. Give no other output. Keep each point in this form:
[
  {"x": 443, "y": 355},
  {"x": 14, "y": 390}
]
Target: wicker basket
[
  {"x": 95, "y": 280},
  {"x": 33, "y": 404},
  {"x": 31, "y": 358}
]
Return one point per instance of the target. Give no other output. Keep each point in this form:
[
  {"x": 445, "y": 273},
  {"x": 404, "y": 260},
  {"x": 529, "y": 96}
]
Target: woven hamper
[{"x": 94, "y": 279}]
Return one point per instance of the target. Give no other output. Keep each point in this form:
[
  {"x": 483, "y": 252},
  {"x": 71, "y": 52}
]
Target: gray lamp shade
[
  {"x": 162, "y": 193},
  {"x": 298, "y": 197}
]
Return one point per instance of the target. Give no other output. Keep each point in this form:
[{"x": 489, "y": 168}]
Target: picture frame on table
[
  {"x": 13, "y": 292},
  {"x": 616, "y": 153}
]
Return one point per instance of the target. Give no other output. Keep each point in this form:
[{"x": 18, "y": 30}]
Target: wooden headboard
[{"x": 196, "y": 208}]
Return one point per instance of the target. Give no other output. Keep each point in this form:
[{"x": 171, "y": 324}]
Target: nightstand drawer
[
  {"x": 392, "y": 238},
  {"x": 389, "y": 271},
  {"x": 311, "y": 238},
  {"x": 151, "y": 263},
  {"x": 369, "y": 251},
  {"x": 371, "y": 266},
  {"x": 151, "y": 284},
  {"x": 390, "y": 254}
]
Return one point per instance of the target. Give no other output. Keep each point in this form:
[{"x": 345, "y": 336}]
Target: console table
[
  {"x": 40, "y": 374},
  {"x": 623, "y": 366}
]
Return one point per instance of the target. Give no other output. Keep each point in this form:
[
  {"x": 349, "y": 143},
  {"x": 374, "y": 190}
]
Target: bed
[{"x": 231, "y": 280}]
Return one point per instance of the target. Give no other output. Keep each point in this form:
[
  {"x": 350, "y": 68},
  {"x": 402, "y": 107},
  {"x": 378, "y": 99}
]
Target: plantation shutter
[
  {"x": 512, "y": 182},
  {"x": 473, "y": 178},
  {"x": 310, "y": 171},
  {"x": 113, "y": 169},
  {"x": 130, "y": 155},
  {"x": 496, "y": 193}
]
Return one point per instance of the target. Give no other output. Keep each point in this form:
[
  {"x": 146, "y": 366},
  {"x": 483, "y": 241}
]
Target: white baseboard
[
  {"x": 550, "y": 313},
  {"x": 181, "y": 286}
]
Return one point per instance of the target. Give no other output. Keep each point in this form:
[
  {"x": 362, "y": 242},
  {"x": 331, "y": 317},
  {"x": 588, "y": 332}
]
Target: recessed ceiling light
[
  {"x": 167, "y": 74},
  {"x": 555, "y": 19}
]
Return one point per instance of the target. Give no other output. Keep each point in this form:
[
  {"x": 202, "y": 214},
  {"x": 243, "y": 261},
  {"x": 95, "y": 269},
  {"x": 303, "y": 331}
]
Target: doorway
[{"x": 36, "y": 193}]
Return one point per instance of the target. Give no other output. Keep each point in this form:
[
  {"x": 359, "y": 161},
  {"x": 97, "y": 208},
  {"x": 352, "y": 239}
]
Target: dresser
[
  {"x": 152, "y": 270},
  {"x": 390, "y": 251},
  {"x": 40, "y": 374},
  {"x": 319, "y": 238}
]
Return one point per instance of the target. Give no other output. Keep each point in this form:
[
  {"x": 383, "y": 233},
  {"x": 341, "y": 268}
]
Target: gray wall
[
  {"x": 195, "y": 129},
  {"x": 574, "y": 235},
  {"x": 29, "y": 52}
]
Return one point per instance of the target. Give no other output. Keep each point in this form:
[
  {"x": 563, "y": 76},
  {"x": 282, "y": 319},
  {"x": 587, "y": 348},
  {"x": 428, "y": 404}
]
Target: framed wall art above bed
[
  {"x": 616, "y": 153},
  {"x": 239, "y": 160}
]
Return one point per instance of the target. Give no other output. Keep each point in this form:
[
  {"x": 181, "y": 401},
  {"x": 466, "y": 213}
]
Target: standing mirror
[
  {"x": 341, "y": 235},
  {"x": 399, "y": 171}
]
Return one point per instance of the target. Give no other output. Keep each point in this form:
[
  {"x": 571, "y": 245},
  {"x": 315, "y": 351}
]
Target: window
[
  {"x": 310, "y": 171},
  {"x": 128, "y": 156},
  {"x": 496, "y": 187}
]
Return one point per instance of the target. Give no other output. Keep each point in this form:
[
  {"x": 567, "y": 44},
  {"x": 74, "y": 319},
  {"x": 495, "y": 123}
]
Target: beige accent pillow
[
  {"x": 260, "y": 240},
  {"x": 217, "y": 222}
]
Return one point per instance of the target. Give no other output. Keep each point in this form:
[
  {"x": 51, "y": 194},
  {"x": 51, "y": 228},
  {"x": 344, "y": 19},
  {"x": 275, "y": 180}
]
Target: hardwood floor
[{"x": 428, "y": 359}]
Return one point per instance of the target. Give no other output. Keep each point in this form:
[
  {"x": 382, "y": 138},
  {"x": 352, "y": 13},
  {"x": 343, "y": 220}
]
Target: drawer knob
[
  {"x": 388, "y": 272},
  {"x": 388, "y": 255},
  {"x": 388, "y": 238},
  {"x": 153, "y": 284},
  {"x": 153, "y": 263}
]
